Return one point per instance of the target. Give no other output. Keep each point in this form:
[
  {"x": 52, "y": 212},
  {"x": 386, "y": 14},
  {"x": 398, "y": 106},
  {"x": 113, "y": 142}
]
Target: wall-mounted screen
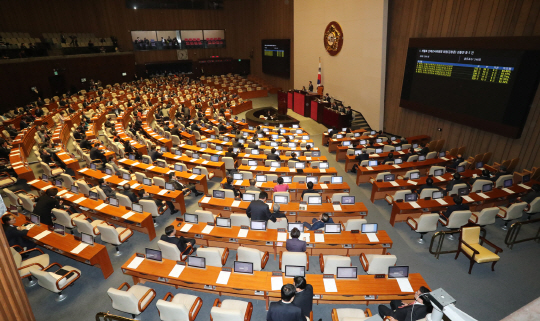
[{"x": 276, "y": 57}]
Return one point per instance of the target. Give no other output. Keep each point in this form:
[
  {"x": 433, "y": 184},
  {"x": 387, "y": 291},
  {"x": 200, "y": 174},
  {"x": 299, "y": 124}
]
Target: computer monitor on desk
[
  {"x": 258, "y": 225},
  {"x": 398, "y": 272},
  {"x": 93, "y": 195},
  {"x": 59, "y": 229},
  {"x": 137, "y": 208},
  {"x": 223, "y": 221},
  {"x": 487, "y": 188},
  {"x": 287, "y": 179},
  {"x": 295, "y": 270},
  {"x": 370, "y": 228},
  {"x": 332, "y": 228},
  {"x": 87, "y": 238},
  {"x": 243, "y": 267},
  {"x": 411, "y": 197},
  {"x": 281, "y": 199},
  {"x": 34, "y": 218},
  {"x": 314, "y": 200},
  {"x": 337, "y": 180},
  {"x": 414, "y": 175},
  {"x": 219, "y": 194},
  {"x": 196, "y": 262},
  {"x": 312, "y": 179},
  {"x": 348, "y": 200},
  {"x": 291, "y": 226},
  {"x": 238, "y": 176},
  {"x": 113, "y": 201},
  {"x": 154, "y": 255},
  {"x": 347, "y": 272}
]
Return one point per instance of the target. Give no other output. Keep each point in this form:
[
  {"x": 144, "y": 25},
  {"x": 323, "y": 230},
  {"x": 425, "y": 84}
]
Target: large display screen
[
  {"x": 276, "y": 57},
  {"x": 488, "y": 85}
]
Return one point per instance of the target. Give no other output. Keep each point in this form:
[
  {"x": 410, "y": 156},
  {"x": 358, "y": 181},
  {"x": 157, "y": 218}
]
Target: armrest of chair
[
  {"x": 470, "y": 247},
  {"x": 68, "y": 283},
  {"x": 142, "y": 308},
  {"x": 280, "y": 257},
  {"x": 27, "y": 266},
  {"x": 497, "y": 249},
  {"x": 167, "y": 296},
  {"x": 307, "y": 260},
  {"x": 264, "y": 259},
  {"x": 321, "y": 262},
  {"x": 445, "y": 223},
  {"x": 225, "y": 256},
  {"x": 126, "y": 230},
  {"x": 505, "y": 212},
  {"x": 51, "y": 265},
  {"x": 364, "y": 261},
  {"x": 189, "y": 249},
  {"x": 194, "y": 310},
  {"x": 217, "y": 303},
  {"x": 391, "y": 197},
  {"x": 30, "y": 250},
  {"x": 367, "y": 313},
  {"x": 328, "y": 199},
  {"x": 408, "y": 221},
  {"x": 475, "y": 218}
]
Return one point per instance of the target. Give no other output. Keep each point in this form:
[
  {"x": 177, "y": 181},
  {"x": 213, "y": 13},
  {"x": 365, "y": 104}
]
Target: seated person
[
  {"x": 317, "y": 224},
  {"x": 424, "y": 150},
  {"x": 127, "y": 191},
  {"x": 181, "y": 187},
  {"x": 400, "y": 311},
  {"x": 309, "y": 190},
  {"x": 362, "y": 156},
  {"x": 304, "y": 295},
  {"x": 455, "y": 162},
  {"x": 293, "y": 158},
  {"x": 181, "y": 242},
  {"x": 486, "y": 175},
  {"x": 457, "y": 207},
  {"x": 229, "y": 185},
  {"x": 154, "y": 153},
  {"x": 252, "y": 186},
  {"x": 529, "y": 197},
  {"x": 457, "y": 180},
  {"x": 230, "y": 153},
  {"x": 104, "y": 185},
  {"x": 281, "y": 187},
  {"x": 259, "y": 211},
  {"x": 389, "y": 158},
  {"x": 428, "y": 184},
  {"x": 276, "y": 213},
  {"x": 294, "y": 244},
  {"x": 15, "y": 235},
  {"x": 502, "y": 171},
  {"x": 273, "y": 156}
]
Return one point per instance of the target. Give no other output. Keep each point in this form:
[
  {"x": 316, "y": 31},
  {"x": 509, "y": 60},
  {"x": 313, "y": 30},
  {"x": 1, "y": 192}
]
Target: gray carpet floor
[{"x": 485, "y": 295}]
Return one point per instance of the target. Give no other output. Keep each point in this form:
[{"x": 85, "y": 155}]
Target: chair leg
[
  {"x": 493, "y": 266},
  {"x": 31, "y": 282},
  {"x": 470, "y": 268},
  {"x": 421, "y": 239},
  {"x": 118, "y": 253},
  {"x": 61, "y": 297},
  {"x": 505, "y": 226},
  {"x": 457, "y": 254}
]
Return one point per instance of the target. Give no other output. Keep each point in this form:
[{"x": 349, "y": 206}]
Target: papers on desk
[
  {"x": 308, "y": 158},
  {"x": 68, "y": 160},
  {"x": 223, "y": 277},
  {"x": 337, "y": 207},
  {"x": 122, "y": 183},
  {"x": 16, "y": 167},
  {"x": 374, "y": 155},
  {"x": 205, "y": 200},
  {"x": 292, "y": 170},
  {"x": 42, "y": 235},
  {"x": 202, "y": 150},
  {"x": 369, "y": 168},
  {"x": 205, "y": 162},
  {"x": 281, "y": 237},
  {"x": 220, "y": 152},
  {"x": 404, "y": 285},
  {"x": 444, "y": 158},
  {"x": 207, "y": 229},
  {"x": 468, "y": 199},
  {"x": 79, "y": 248},
  {"x": 482, "y": 195},
  {"x": 324, "y": 186},
  {"x": 401, "y": 153},
  {"x": 106, "y": 176},
  {"x": 441, "y": 201},
  {"x": 243, "y": 232},
  {"x": 247, "y": 155},
  {"x": 396, "y": 166},
  {"x": 80, "y": 199},
  {"x": 239, "y": 182},
  {"x": 163, "y": 192},
  {"x": 37, "y": 180},
  {"x": 277, "y": 283},
  {"x": 150, "y": 167},
  {"x": 101, "y": 206},
  {"x": 121, "y": 161},
  {"x": 44, "y": 188},
  {"x": 62, "y": 153},
  {"x": 128, "y": 215},
  {"x": 252, "y": 168},
  {"x": 372, "y": 237},
  {"x": 440, "y": 178},
  {"x": 135, "y": 263},
  {"x": 68, "y": 195},
  {"x": 62, "y": 192},
  {"x": 177, "y": 270},
  {"x": 394, "y": 183},
  {"x": 414, "y": 204},
  {"x": 135, "y": 164},
  {"x": 330, "y": 285},
  {"x": 135, "y": 185},
  {"x": 520, "y": 185},
  {"x": 177, "y": 157},
  {"x": 186, "y": 227},
  {"x": 508, "y": 191},
  {"x": 319, "y": 238},
  {"x": 235, "y": 204},
  {"x": 258, "y": 184},
  {"x": 323, "y": 170},
  {"x": 272, "y": 169},
  {"x": 192, "y": 160},
  {"x": 412, "y": 182},
  {"x": 193, "y": 176}
]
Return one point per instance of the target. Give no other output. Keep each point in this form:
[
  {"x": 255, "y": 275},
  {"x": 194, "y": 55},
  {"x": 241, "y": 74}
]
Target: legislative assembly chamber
[{"x": 237, "y": 160}]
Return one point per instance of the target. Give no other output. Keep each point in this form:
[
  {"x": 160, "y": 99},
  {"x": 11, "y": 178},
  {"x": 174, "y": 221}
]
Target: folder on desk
[
  {"x": 78, "y": 249},
  {"x": 243, "y": 232},
  {"x": 440, "y": 178},
  {"x": 223, "y": 277},
  {"x": 42, "y": 235},
  {"x": 272, "y": 169},
  {"x": 235, "y": 204},
  {"x": 193, "y": 177},
  {"x": 258, "y": 184},
  {"x": 101, "y": 206},
  {"x": 482, "y": 195},
  {"x": 414, "y": 204},
  {"x": 135, "y": 263},
  {"x": 337, "y": 207},
  {"x": 46, "y": 187},
  {"x": 323, "y": 170},
  {"x": 394, "y": 183},
  {"x": 79, "y": 200},
  {"x": 330, "y": 285},
  {"x": 122, "y": 183},
  {"x": 37, "y": 180},
  {"x": 404, "y": 285},
  {"x": 277, "y": 283},
  {"x": 372, "y": 237},
  {"x": 324, "y": 186},
  {"x": 468, "y": 199},
  {"x": 207, "y": 229},
  {"x": 520, "y": 185},
  {"x": 319, "y": 238},
  {"x": 247, "y": 155},
  {"x": 282, "y": 237},
  {"x": 186, "y": 228},
  {"x": 163, "y": 192},
  {"x": 177, "y": 270},
  {"x": 369, "y": 168},
  {"x": 509, "y": 191},
  {"x": 441, "y": 201},
  {"x": 205, "y": 200},
  {"x": 128, "y": 215},
  {"x": 150, "y": 167},
  {"x": 396, "y": 166},
  {"x": 252, "y": 168},
  {"x": 412, "y": 182},
  {"x": 135, "y": 185}
]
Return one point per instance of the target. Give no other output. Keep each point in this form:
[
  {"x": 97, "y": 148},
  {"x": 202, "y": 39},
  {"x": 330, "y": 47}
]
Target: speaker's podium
[
  {"x": 317, "y": 109},
  {"x": 302, "y": 102},
  {"x": 282, "y": 102}
]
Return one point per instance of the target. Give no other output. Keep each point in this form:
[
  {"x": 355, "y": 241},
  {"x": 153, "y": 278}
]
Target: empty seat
[
  {"x": 115, "y": 236},
  {"x": 215, "y": 256},
  {"x": 25, "y": 267},
  {"x": 258, "y": 258},
  {"x": 513, "y": 212},
  {"x": 239, "y": 219},
  {"x": 350, "y": 314},
  {"x": 485, "y": 217},
  {"x": 330, "y": 263},
  {"x": 293, "y": 258},
  {"x": 54, "y": 282},
  {"x": 423, "y": 224},
  {"x": 231, "y": 310},
  {"x": 179, "y": 307},
  {"x": 377, "y": 263},
  {"x": 469, "y": 244},
  {"x": 134, "y": 301}
]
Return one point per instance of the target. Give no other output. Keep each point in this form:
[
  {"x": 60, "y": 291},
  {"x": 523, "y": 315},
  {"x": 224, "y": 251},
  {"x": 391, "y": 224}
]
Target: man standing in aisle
[{"x": 284, "y": 310}]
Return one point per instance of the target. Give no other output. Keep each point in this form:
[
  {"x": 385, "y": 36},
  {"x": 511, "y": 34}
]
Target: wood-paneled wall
[
  {"x": 246, "y": 22},
  {"x": 459, "y": 18}
]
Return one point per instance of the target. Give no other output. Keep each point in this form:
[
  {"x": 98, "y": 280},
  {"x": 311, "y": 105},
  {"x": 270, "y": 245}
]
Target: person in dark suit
[
  {"x": 317, "y": 224},
  {"x": 96, "y": 153},
  {"x": 294, "y": 158},
  {"x": 410, "y": 153},
  {"x": 45, "y": 204},
  {"x": 143, "y": 195},
  {"x": 230, "y": 153},
  {"x": 229, "y": 185},
  {"x": 424, "y": 150},
  {"x": 389, "y": 158},
  {"x": 294, "y": 244},
  {"x": 362, "y": 156},
  {"x": 304, "y": 295},
  {"x": 273, "y": 156},
  {"x": 532, "y": 195},
  {"x": 181, "y": 242},
  {"x": 182, "y": 187},
  {"x": 109, "y": 192},
  {"x": 154, "y": 153},
  {"x": 127, "y": 191},
  {"x": 175, "y": 130},
  {"x": 400, "y": 311},
  {"x": 327, "y": 97},
  {"x": 309, "y": 190},
  {"x": 310, "y": 87},
  {"x": 428, "y": 184},
  {"x": 455, "y": 162},
  {"x": 457, "y": 180},
  {"x": 284, "y": 310},
  {"x": 486, "y": 175},
  {"x": 253, "y": 145},
  {"x": 85, "y": 143},
  {"x": 459, "y": 206},
  {"x": 259, "y": 211},
  {"x": 502, "y": 171},
  {"x": 15, "y": 234}
]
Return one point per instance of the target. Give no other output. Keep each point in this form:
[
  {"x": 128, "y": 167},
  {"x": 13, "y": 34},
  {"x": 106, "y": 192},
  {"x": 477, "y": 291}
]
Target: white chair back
[
  {"x": 172, "y": 311},
  {"x": 427, "y": 192},
  {"x": 62, "y": 217},
  {"x": 123, "y": 301},
  {"x": 477, "y": 185},
  {"x": 336, "y": 197},
  {"x": 169, "y": 250},
  {"x": 109, "y": 234},
  {"x": 212, "y": 255},
  {"x": 123, "y": 200},
  {"x": 379, "y": 263},
  {"x": 427, "y": 223},
  {"x": 458, "y": 218},
  {"x": 456, "y": 187},
  {"x": 246, "y": 254},
  {"x": 354, "y": 224},
  {"x": 331, "y": 263},
  {"x": 515, "y": 211},
  {"x": 293, "y": 258},
  {"x": 205, "y": 216},
  {"x": 501, "y": 179},
  {"x": 150, "y": 207},
  {"x": 239, "y": 219},
  {"x": 487, "y": 216}
]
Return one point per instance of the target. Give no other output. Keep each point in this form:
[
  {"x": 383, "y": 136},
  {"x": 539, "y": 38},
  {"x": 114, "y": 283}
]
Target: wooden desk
[
  {"x": 346, "y": 243},
  {"x": 141, "y": 222},
  {"x": 95, "y": 255},
  {"x": 242, "y": 285},
  {"x": 497, "y": 197},
  {"x": 292, "y": 210},
  {"x": 350, "y": 160},
  {"x": 200, "y": 181},
  {"x": 288, "y": 171},
  {"x": 341, "y": 151},
  {"x": 217, "y": 167},
  {"x": 363, "y": 174},
  {"x": 176, "y": 197},
  {"x": 325, "y": 135}
]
